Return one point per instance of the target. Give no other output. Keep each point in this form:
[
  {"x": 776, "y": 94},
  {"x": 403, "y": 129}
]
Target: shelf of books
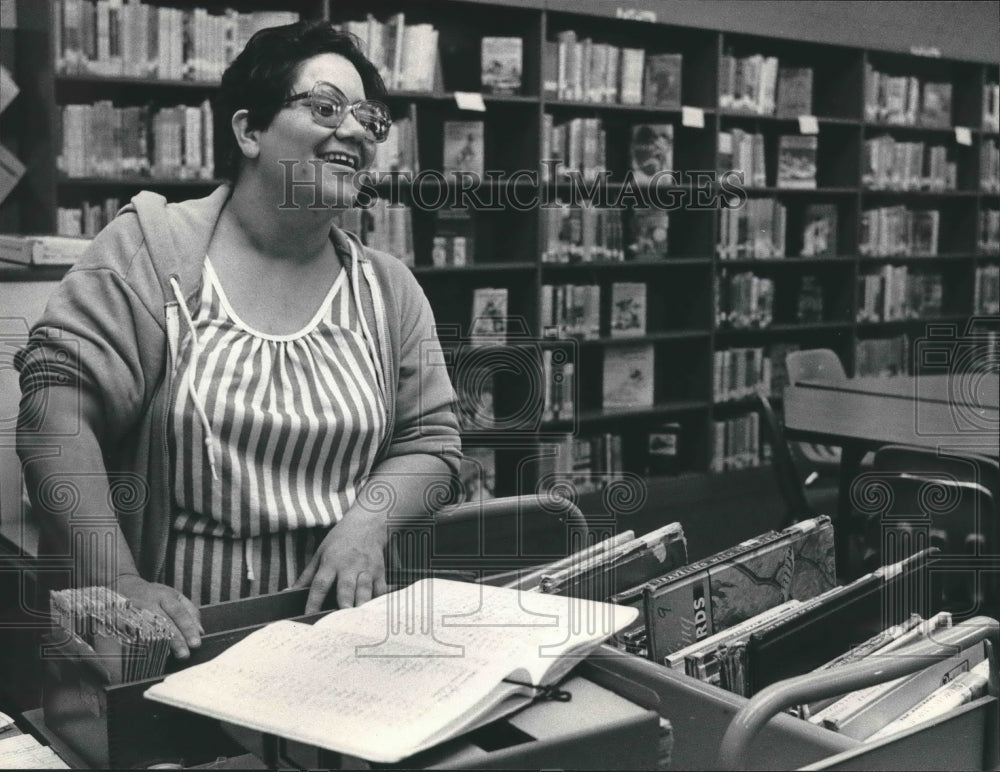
[{"x": 623, "y": 226}]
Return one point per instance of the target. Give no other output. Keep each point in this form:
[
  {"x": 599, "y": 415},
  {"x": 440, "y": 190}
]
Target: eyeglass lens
[{"x": 330, "y": 106}]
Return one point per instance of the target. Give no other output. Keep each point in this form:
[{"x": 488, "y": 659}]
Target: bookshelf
[{"x": 813, "y": 296}]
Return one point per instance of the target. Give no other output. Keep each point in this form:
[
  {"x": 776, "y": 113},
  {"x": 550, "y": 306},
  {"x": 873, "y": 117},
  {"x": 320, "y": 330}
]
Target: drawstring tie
[{"x": 195, "y": 399}]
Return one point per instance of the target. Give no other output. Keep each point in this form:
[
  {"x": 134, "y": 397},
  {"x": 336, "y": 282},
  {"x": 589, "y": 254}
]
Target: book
[
  {"x": 628, "y": 376},
  {"x": 399, "y": 674},
  {"x": 662, "y": 449},
  {"x": 649, "y": 231},
  {"x": 628, "y": 309},
  {"x": 501, "y": 65},
  {"x": 797, "y": 161},
  {"x": 810, "y": 300},
  {"x": 731, "y": 586},
  {"x": 935, "y": 107},
  {"x": 42, "y": 250},
  {"x": 11, "y": 171},
  {"x": 795, "y": 86},
  {"x": 489, "y": 316},
  {"x": 651, "y": 150},
  {"x": 662, "y": 86},
  {"x": 463, "y": 147},
  {"x": 819, "y": 232}
]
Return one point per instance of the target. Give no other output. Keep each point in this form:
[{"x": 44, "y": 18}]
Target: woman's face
[{"x": 321, "y": 160}]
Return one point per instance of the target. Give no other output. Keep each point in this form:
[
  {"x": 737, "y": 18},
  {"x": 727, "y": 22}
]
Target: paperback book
[
  {"x": 650, "y": 228},
  {"x": 663, "y": 81},
  {"x": 628, "y": 309},
  {"x": 489, "y": 316},
  {"x": 797, "y": 161},
  {"x": 651, "y": 149},
  {"x": 628, "y": 376},
  {"x": 501, "y": 65}
]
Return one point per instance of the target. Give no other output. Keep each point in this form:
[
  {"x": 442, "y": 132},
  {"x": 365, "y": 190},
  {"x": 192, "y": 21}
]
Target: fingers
[
  {"x": 186, "y": 619},
  {"x": 318, "y": 590},
  {"x": 306, "y": 577}
]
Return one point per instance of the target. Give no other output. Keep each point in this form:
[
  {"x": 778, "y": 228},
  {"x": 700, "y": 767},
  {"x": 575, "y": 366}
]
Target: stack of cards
[{"x": 131, "y": 643}]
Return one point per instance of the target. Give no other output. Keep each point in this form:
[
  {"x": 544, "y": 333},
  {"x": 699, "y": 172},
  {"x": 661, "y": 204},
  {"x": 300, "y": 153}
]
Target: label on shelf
[
  {"x": 808, "y": 124},
  {"x": 693, "y": 117},
  {"x": 932, "y": 51},
  {"x": 963, "y": 135},
  {"x": 470, "y": 100},
  {"x": 635, "y": 14}
]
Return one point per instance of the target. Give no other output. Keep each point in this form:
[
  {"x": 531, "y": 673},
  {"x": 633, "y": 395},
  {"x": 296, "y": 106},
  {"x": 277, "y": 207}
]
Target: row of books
[
  {"x": 991, "y": 107},
  {"x": 400, "y": 152},
  {"x": 888, "y": 164},
  {"x": 574, "y": 233},
  {"x": 101, "y": 140},
  {"x": 989, "y": 231},
  {"x": 989, "y": 166},
  {"x": 135, "y": 39},
  {"x": 738, "y": 373},
  {"x": 383, "y": 226},
  {"x": 743, "y": 300},
  {"x": 578, "y": 145},
  {"x": 569, "y": 310},
  {"x": 559, "y": 386},
  {"x": 582, "y": 70},
  {"x": 88, "y": 219},
  {"x": 905, "y": 100},
  {"x": 896, "y": 230},
  {"x": 760, "y": 85},
  {"x": 587, "y": 464},
  {"x": 406, "y": 55},
  {"x": 737, "y": 444},
  {"x": 895, "y": 293},
  {"x": 986, "y": 290},
  {"x": 754, "y": 230}
]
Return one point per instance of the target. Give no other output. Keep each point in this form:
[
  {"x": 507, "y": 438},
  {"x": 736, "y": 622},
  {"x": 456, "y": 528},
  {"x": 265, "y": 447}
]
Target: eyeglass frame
[{"x": 351, "y": 108}]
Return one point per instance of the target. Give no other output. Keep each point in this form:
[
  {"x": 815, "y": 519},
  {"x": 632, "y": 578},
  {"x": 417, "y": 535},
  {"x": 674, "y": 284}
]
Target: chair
[
  {"x": 477, "y": 539},
  {"x": 785, "y": 471},
  {"x": 816, "y": 364},
  {"x": 967, "y": 467},
  {"x": 902, "y": 512}
]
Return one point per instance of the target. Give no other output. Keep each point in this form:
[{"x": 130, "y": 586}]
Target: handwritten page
[
  {"x": 394, "y": 676},
  {"x": 25, "y": 752}
]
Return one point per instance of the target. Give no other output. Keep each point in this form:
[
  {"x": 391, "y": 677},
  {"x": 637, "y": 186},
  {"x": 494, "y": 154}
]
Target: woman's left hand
[{"x": 350, "y": 557}]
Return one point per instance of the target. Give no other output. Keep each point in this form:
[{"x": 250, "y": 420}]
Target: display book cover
[
  {"x": 399, "y": 674},
  {"x": 843, "y": 616},
  {"x": 736, "y": 584}
]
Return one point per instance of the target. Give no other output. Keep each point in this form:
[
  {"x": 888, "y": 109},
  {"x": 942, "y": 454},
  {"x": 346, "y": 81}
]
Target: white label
[
  {"x": 808, "y": 124},
  {"x": 693, "y": 117},
  {"x": 635, "y": 14},
  {"x": 470, "y": 100},
  {"x": 932, "y": 51},
  {"x": 962, "y": 135}
]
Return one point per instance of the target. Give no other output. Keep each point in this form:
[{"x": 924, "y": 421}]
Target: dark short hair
[{"x": 260, "y": 78}]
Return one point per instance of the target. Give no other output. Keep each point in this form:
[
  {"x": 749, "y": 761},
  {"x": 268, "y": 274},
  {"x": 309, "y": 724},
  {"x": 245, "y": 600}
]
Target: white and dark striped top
[{"x": 295, "y": 424}]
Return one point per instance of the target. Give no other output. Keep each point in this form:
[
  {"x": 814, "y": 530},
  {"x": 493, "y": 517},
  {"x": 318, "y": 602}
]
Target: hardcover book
[
  {"x": 795, "y": 86},
  {"x": 628, "y": 376},
  {"x": 663, "y": 81},
  {"x": 464, "y": 149},
  {"x": 649, "y": 234},
  {"x": 387, "y": 679},
  {"x": 501, "y": 65},
  {"x": 819, "y": 234},
  {"x": 628, "y": 309},
  {"x": 797, "y": 161},
  {"x": 489, "y": 316},
  {"x": 651, "y": 149}
]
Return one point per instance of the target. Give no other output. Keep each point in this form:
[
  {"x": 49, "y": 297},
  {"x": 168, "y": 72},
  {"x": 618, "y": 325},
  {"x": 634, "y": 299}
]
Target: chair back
[
  {"x": 819, "y": 364},
  {"x": 490, "y": 536},
  {"x": 789, "y": 480},
  {"x": 963, "y": 466},
  {"x": 905, "y": 512}
]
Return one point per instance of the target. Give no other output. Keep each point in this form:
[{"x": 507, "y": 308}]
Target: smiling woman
[{"x": 264, "y": 376}]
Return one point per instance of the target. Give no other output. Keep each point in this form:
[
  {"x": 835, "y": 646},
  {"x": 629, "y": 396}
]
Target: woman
[{"x": 231, "y": 376}]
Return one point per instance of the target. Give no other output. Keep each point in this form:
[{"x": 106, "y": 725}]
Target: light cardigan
[{"x": 113, "y": 321}]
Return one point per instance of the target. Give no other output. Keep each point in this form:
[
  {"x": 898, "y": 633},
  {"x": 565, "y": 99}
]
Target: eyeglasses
[{"x": 330, "y": 107}]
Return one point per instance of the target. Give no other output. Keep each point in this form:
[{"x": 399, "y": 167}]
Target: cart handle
[{"x": 857, "y": 675}]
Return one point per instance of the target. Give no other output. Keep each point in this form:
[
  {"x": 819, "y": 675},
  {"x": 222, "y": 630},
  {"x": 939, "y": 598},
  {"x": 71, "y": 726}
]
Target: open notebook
[{"x": 400, "y": 673}]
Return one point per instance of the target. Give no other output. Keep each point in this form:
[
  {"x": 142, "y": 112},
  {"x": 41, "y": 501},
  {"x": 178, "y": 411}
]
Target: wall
[{"x": 961, "y": 29}]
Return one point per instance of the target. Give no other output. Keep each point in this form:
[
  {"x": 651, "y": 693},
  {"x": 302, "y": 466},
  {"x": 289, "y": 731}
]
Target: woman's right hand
[{"x": 169, "y": 603}]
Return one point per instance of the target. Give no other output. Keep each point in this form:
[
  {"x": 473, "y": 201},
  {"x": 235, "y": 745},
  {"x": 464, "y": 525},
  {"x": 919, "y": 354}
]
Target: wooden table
[{"x": 939, "y": 412}]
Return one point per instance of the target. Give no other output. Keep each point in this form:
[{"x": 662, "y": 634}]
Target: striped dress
[{"x": 294, "y": 424}]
